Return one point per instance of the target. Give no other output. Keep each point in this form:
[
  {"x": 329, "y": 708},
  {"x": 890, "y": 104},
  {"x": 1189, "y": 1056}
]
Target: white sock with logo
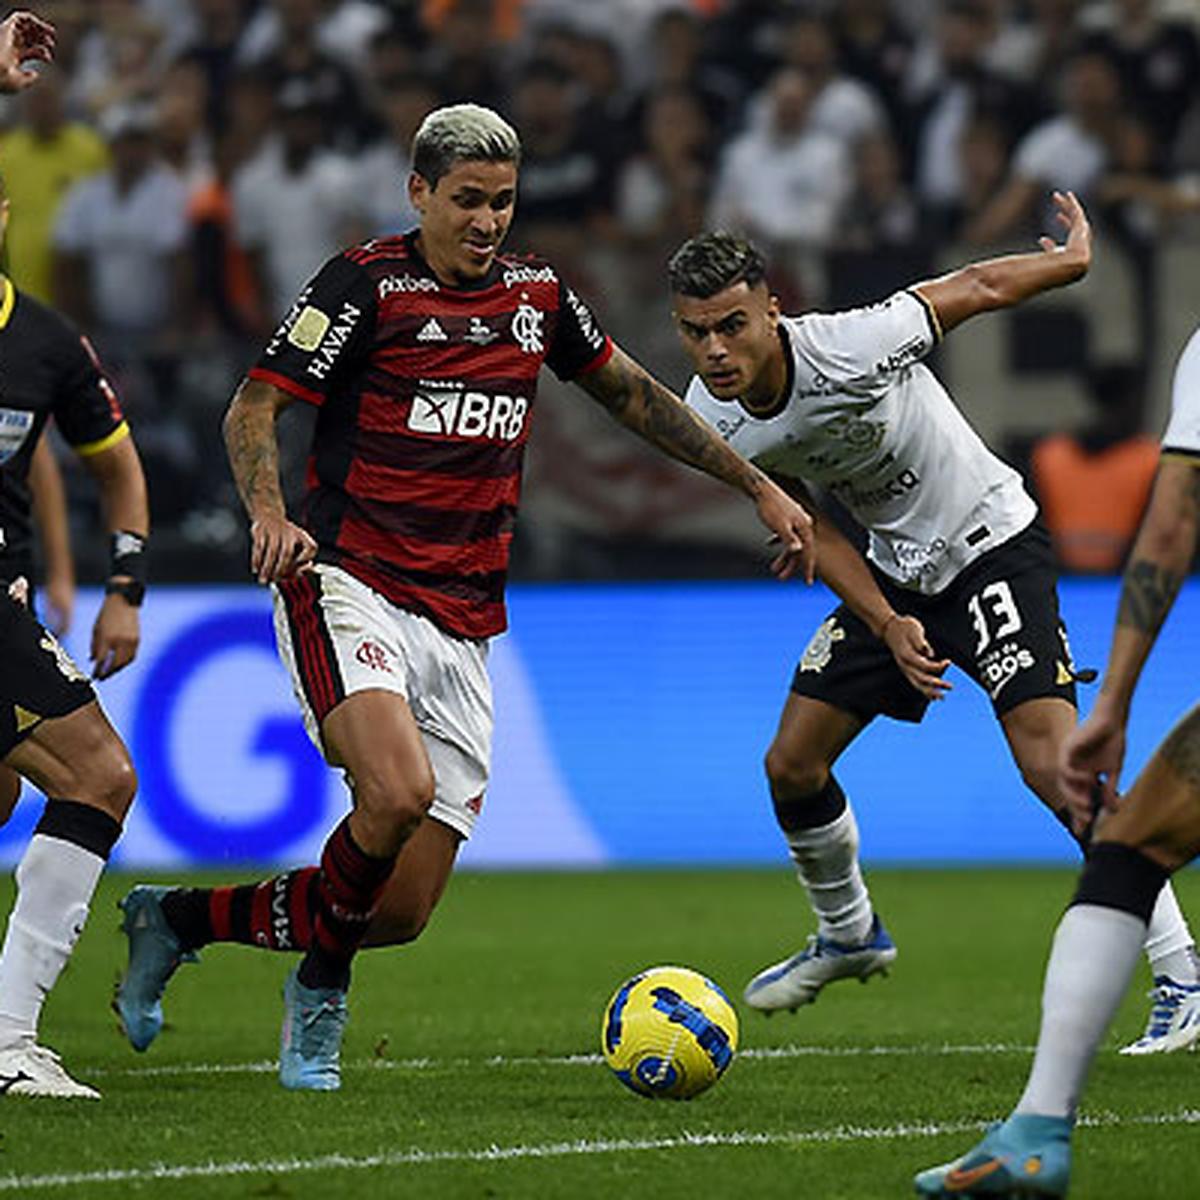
[
  {"x": 1094, "y": 956},
  {"x": 55, "y": 883},
  {"x": 826, "y": 861},
  {"x": 1170, "y": 946}
]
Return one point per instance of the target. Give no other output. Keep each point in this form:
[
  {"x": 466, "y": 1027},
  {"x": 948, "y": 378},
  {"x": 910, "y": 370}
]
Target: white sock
[
  {"x": 1170, "y": 946},
  {"x": 826, "y": 860},
  {"x": 1093, "y": 958},
  {"x": 55, "y": 882}
]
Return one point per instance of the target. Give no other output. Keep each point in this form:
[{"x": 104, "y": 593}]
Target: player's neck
[{"x": 769, "y": 391}]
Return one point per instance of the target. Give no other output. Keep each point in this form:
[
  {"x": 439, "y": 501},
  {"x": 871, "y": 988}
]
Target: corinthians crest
[{"x": 819, "y": 651}]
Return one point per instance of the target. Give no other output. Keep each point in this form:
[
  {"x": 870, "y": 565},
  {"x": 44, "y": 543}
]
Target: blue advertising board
[{"x": 631, "y": 723}]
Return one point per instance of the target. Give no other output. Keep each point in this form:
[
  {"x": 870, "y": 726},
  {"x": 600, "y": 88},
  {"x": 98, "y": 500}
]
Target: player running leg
[
  {"x": 1036, "y": 731},
  {"x": 822, "y": 838},
  {"x": 80, "y": 762},
  {"x": 1154, "y": 832}
]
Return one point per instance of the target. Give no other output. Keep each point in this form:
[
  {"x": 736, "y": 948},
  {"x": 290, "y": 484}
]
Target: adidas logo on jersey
[{"x": 431, "y": 331}]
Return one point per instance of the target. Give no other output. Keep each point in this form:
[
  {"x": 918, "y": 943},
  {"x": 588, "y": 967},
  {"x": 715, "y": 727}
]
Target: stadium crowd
[{"x": 186, "y": 165}]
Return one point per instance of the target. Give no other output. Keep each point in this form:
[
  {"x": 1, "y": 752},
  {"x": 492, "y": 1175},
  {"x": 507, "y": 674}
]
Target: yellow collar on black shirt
[{"x": 7, "y": 300}]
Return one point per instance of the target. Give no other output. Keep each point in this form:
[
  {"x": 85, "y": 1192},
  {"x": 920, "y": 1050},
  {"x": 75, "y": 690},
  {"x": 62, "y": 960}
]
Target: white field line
[
  {"x": 412, "y": 1158},
  {"x": 265, "y": 1066}
]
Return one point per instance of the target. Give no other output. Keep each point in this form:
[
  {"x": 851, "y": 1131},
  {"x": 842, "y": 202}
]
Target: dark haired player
[
  {"x": 960, "y": 567},
  {"x": 422, "y": 354},
  {"x": 52, "y": 730}
]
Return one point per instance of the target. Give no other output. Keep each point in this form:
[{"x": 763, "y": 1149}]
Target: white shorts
[{"x": 337, "y": 636}]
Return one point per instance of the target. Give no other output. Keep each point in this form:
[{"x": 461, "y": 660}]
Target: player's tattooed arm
[
  {"x": 1160, "y": 559},
  {"x": 635, "y": 398},
  {"x": 278, "y": 547}
]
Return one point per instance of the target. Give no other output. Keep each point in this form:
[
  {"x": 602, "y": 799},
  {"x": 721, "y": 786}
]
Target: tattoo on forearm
[
  {"x": 1181, "y": 750},
  {"x": 253, "y": 457},
  {"x": 1147, "y": 593},
  {"x": 640, "y": 402}
]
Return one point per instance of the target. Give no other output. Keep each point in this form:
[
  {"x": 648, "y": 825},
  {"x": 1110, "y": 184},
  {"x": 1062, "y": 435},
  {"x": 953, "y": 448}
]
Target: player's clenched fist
[
  {"x": 278, "y": 547},
  {"x": 24, "y": 38}
]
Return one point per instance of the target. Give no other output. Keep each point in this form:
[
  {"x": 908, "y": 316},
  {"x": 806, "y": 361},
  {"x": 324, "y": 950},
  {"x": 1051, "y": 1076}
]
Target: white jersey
[
  {"x": 871, "y": 424},
  {"x": 1183, "y": 429}
]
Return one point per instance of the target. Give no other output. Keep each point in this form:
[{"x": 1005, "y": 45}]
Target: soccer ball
[{"x": 669, "y": 1032}]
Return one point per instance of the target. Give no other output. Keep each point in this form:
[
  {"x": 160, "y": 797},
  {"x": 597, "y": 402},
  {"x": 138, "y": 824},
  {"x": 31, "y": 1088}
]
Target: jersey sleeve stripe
[
  {"x": 87, "y": 449},
  {"x": 6, "y": 305},
  {"x": 935, "y": 326},
  {"x": 284, "y": 384},
  {"x": 596, "y": 363}
]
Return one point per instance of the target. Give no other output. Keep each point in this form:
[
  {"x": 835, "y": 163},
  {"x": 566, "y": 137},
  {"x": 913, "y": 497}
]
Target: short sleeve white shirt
[{"x": 867, "y": 421}]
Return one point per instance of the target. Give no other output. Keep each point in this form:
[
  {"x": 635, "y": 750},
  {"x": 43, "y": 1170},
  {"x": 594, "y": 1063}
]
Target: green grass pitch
[{"x": 471, "y": 1062}]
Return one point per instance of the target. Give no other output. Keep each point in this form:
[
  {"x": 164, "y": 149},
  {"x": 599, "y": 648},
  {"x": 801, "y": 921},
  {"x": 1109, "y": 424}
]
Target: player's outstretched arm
[
  {"x": 277, "y": 546},
  {"x": 635, "y": 398},
  {"x": 1093, "y": 754},
  {"x": 845, "y": 572},
  {"x": 1002, "y": 282},
  {"x": 24, "y": 38},
  {"x": 117, "y": 633}
]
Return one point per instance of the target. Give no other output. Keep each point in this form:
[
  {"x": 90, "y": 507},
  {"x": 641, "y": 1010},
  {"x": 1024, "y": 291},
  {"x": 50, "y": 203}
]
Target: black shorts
[
  {"x": 38, "y": 679},
  {"x": 998, "y": 621}
]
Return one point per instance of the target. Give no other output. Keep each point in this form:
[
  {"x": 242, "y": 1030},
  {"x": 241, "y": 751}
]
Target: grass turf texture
[{"x": 455, "y": 1082}]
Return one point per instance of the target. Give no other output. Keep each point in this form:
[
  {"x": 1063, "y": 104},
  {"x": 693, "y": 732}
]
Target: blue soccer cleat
[
  {"x": 799, "y": 979},
  {"x": 310, "y": 1045},
  {"x": 154, "y": 954},
  {"x": 1174, "y": 1022},
  {"x": 1026, "y": 1156}
]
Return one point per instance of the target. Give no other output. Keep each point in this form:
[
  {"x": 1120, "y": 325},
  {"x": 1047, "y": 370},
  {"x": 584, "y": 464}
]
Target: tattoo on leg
[
  {"x": 1147, "y": 593},
  {"x": 1181, "y": 750}
]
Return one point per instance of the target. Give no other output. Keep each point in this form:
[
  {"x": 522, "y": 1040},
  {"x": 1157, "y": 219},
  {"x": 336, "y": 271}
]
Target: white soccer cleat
[
  {"x": 27, "y": 1069},
  {"x": 799, "y": 979},
  {"x": 1174, "y": 1019}
]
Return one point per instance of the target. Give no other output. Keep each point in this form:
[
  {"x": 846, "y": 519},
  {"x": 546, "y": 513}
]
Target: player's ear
[
  {"x": 774, "y": 312},
  {"x": 418, "y": 191}
]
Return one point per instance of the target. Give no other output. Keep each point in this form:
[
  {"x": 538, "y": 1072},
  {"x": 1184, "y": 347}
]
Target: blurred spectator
[
  {"x": 661, "y": 190},
  {"x": 842, "y": 106},
  {"x": 984, "y": 152},
  {"x": 341, "y": 29},
  {"x": 296, "y": 56},
  {"x": 957, "y": 88},
  {"x": 1158, "y": 61},
  {"x": 875, "y": 48},
  {"x": 120, "y": 58},
  {"x": 674, "y": 56},
  {"x": 227, "y": 297},
  {"x": 119, "y": 241},
  {"x": 42, "y": 158},
  {"x": 464, "y": 58},
  {"x": 566, "y": 191},
  {"x": 882, "y": 242},
  {"x": 1068, "y": 152},
  {"x": 294, "y": 202},
  {"x": 1093, "y": 485},
  {"x": 213, "y": 48},
  {"x": 782, "y": 183},
  {"x": 183, "y": 138},
  {"x": 384, "y": 167},
  {"x": 1029, "y": 50}
]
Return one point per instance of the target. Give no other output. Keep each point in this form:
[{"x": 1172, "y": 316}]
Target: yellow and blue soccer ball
[{"x": 669, "y": 1032}]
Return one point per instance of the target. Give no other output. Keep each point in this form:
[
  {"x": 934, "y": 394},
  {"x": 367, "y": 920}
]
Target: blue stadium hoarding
[{"x": 631, "y": 724}]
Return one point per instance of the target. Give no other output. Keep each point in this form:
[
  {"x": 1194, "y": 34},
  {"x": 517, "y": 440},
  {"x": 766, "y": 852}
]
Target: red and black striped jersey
[{"x": 426, "y": 394}]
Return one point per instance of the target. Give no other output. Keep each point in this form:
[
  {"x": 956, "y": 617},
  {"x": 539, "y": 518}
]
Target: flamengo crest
[{"x": 527, "y": 328}]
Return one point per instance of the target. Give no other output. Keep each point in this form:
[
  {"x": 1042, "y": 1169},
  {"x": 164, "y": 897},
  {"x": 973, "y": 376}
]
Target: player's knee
[
  {"x": 110, "y": 781},
  {"x": 793, "y": 778},
  {"x": 400, "y": 800}
]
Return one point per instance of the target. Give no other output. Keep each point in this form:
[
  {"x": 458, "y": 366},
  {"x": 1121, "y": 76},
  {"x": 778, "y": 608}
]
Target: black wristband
[
  {"x": 133, "y": 590},
  {"x": 127, "y": 555}
]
